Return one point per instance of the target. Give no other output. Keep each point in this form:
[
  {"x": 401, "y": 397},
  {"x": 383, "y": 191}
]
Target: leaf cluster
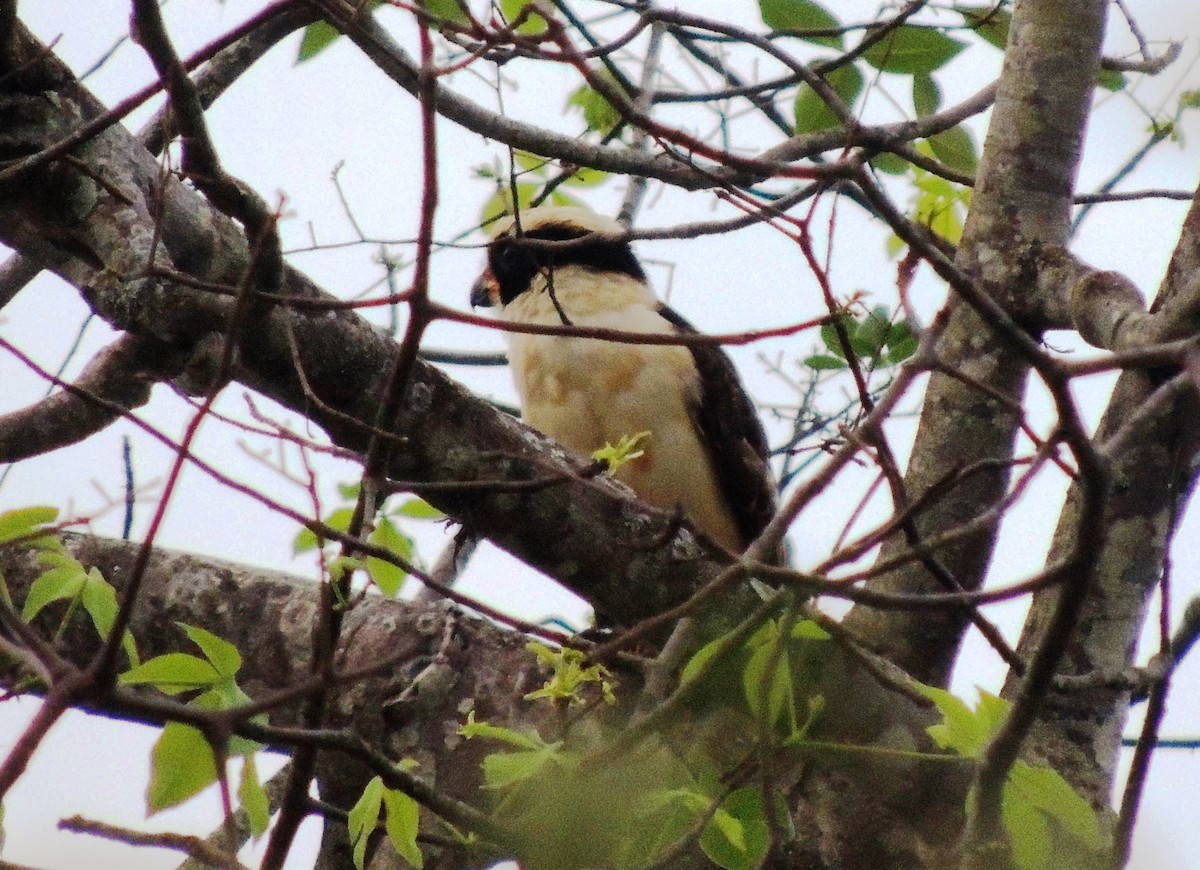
[
  {"x": 571, "y": 673},
  {"x": 64, "y": 577},
  {"x": 387, "y": 533},
  {"x": 1036, "y": 799},
  {"x": 184, "y": 760},
  {"x": 876, "y": 340},
  {"x": 401, "y": 818}
]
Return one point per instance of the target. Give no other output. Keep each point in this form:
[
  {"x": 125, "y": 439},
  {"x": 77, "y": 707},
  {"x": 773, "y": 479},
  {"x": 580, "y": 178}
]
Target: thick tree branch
[
  {"x": 1021, "y": 204},
  {"x": 1156, "y": 475},
  {"x": 116, "y": 380}
]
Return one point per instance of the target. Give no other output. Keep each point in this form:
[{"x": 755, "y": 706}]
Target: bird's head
[{"x": 518, "y": 251}]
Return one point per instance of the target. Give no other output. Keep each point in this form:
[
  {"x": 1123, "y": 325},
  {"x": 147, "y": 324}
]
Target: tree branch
[{"x": 117, "y": 380}]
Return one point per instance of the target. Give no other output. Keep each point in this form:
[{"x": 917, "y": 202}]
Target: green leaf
[
  {"x": 1046, "y": 789},
  {"x": 939, "y": 203},
  {"x": 927, "y": 96},
  {"x": 831, "y": 339},
  {"x": 626, "y": 450},
  {"x": 362, "y": 818},
  {"x": 58, "y": 557},
  {"x": 1028, "y": 831},
  {"x": 812, "y": 113},
  {"x": 561, "y": 197},
  {"x": 417, "y": 509},
  {"x": 962, "y": 730},
  {"x": 911, "y": 49},
  {"x": 181, "y": 766},
  {"x": 899, "y": 333},
  {"x": 490, "y": 171},
  {"x": 699, "y": 659},
  {"x": 901, "y": 343},
  {"x": 663, "y": 820},
  {"x": 569, "y": 675},
  {"x": 586, "y": 177},
  {"x": 306, "y": 539},
  {"x": 454, "y": 11},
  {"x": 988, "y": 22},
  {"x": 824, "y": 362},
  {"x": 223, "y": 655},
  {"x": 341, "y": 567},
  {"x": 100, "y": 601},
  {"x": 800, "y": 15},
  {"x": 67, "y": 579},
  {"x": 226, "y": 695},
  {"x": 340, "y": 519},
  {"x": 501, "y": 201},
  {"x": 173, "y": 673},
  {"x": 806, "y": 629},
  {"x": 472, "y": 729},
  {"x": 403, "y": 816},
  {"x": 737, "y": 836},
  {"x": 388, "y": 577},
  {"x": 244, "y": 746},
  {"x": 730, "y": 830},
  {"x": 660, "y": 798},
  {"x": 530, "y": 162},
  {"x": 24, "y": 522},
  {"x": 501, "y": 769},
  {"x": 1112, "y": 80},
  {"x": 872, "y": 332},
  {"x": 532, "y": 26},
  {"x": 318, "y": 36},
  {"x": 780, "y": 693},
  {"x": 253, "y": 798},
  {"x": 890, "y": 163},
  {"x": 666, "y": 815},
  {"x": 56, "y": 584},
  {"x": 955, "y": 148},
  {"x": 598, "y": 113},
  {"x": 991, "y": 712},
  {"x": 815, "y": 709}
]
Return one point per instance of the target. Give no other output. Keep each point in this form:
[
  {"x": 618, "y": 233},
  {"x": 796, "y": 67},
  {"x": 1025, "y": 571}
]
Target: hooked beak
[{"x": 485, "y": 291}]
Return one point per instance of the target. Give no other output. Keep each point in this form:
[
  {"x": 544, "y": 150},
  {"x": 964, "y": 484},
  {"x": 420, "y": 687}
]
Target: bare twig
[{"x": 198, "y": 850}]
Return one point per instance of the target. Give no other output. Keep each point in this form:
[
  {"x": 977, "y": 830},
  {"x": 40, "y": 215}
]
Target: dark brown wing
[{"x": 733, "y": 435}]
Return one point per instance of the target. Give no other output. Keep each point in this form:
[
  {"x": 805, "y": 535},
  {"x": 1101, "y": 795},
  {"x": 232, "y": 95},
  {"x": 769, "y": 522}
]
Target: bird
[{"x": 706, "y": 453}]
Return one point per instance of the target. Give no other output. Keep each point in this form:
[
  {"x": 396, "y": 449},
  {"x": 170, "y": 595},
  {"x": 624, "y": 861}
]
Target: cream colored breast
[{"x": 585, "y": 393}]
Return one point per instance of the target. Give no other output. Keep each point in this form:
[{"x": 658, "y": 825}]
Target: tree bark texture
[{"x": 1020, "y": 208}]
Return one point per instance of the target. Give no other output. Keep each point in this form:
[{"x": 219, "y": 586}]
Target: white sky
[{"x": 284, "y": 129}]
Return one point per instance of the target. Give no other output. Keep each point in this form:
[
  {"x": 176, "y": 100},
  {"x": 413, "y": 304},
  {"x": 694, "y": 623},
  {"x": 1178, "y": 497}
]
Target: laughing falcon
[{"x": 706, "y": 451}]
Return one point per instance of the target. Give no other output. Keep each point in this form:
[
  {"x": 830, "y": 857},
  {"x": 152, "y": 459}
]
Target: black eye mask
[{"x": 514, "y": 263}]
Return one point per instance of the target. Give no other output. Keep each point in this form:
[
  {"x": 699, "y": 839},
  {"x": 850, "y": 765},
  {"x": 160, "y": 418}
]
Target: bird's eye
[
  {"x": 509, "y": 254},
  {"x": 514, "y": 257}
]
